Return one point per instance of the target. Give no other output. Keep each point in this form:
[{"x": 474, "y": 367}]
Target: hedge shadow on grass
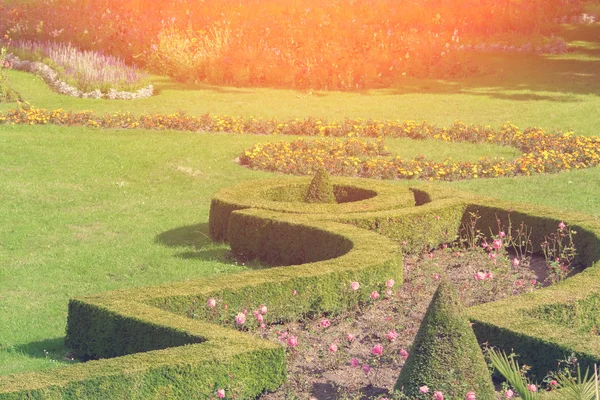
[{"x": 196, "y": 236}]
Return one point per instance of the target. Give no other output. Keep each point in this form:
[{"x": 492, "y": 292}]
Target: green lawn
[{"x": 84, "y": 211}]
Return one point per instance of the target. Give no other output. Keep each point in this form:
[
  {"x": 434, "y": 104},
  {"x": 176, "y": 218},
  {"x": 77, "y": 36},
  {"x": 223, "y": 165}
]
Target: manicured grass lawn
[{"x": 84, "y": 211}]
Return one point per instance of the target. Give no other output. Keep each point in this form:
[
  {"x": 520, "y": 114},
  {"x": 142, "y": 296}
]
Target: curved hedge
[{"x": 159, "y": 342}]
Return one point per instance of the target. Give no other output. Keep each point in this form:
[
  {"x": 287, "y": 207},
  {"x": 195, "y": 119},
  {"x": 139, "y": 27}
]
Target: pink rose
[
  {"x": 438, "y": 396},
  {"x": 366, "y": 369},
  {"x": 350, "y": 337},
  {"x": 211, "y": 302},
  {"x": 424, "y": 389},
  {"x": 240, "y": 319},
  {"x": 292, "y": 341},
  {"x": 509, "y": 394},
  {"x": 377, "y": 350},
  {"x": 333, "y": 347},
  {"x": 354, "y": 362},
  {"x": 355, "y": 285},
  {"x": 531, "y": 387},
  {"x": 562, "y": 225},
  {"x": 390, "y": 283},
  {"x": 221, "y": 393},
  {"x": 375, "y": 295},
  {"x": 515, "y": 262},
  {"x": 403, "y": 354},
  {"x": 263, "y": 309},
  {"x": 497, "y": 244},
  {"x": 470, "y": 396},
  {"x": 391, "y": 335},
  {"x": 325, "y": 323},
  {"x": 501, "y": 234}
]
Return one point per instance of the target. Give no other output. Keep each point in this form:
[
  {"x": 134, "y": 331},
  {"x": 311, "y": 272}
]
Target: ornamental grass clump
[
  {"x": 86, "y": 70},
  {"x": 445, "y": 355}
]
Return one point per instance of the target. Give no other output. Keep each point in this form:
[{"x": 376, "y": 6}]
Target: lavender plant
[
  {"x": 86, "y": 70},
  {"x": 7, "y": 93}
]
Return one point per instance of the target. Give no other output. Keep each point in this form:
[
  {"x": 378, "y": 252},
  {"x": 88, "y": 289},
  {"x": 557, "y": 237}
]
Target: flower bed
[
  {"x": 53, "y": 79},
  {"x": 335, "y": 45},
  {"x": 542, "y": 153}
]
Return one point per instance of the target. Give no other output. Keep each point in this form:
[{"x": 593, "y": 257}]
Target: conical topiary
[
  {"x": 445, "y": 355},
  {"x": 320, "y": 189}
]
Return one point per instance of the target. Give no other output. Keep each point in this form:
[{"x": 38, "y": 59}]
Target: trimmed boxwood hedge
[
  {"x": 164, "y": 342},
  {"x": 287, "y": 195}
]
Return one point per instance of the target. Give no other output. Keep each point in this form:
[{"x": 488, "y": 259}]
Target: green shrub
[
  {"x": 445, "y": 355},
  {"x": 320, "y": 189}
]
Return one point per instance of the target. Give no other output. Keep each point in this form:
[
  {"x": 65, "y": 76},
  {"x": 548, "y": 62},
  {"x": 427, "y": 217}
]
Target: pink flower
[
  {"x": 377, "y": 350},
  {"x": 480, "y": 276},
  {"x": 391, "y": 335},
  {"x": 553, "y": 382},
  {"x": 354, "y": 362},
  {"x": 212, "y": 303},
  {"x": 471, "y": 396},
  {"x": 404, "y": 243},
  {"x": 438, "y": 396},
  {"x": 431, "y": 255},
  {"x": 497, "y": 244},
  {"x": 403, "y": 354},
  {"x": 259, "y": 318},
  {"x": 263, "y": 326},
  {"x": 534, "y": 282},
  {"x": 445, "y": 246},
  {"x": 355, "y": 285},
  {"x": 515, "y": 262},
  {"x": 436, "y": 277},
  {"x": 350, "y": 337},
  {"x": 562, "y": 225},
  {"x": 501, "y": 234},
  {"x": 424, "y": 389},
  {"x": 437, "y": 217},
  {"x": 333, "y": 347},
  {"x": 489, "y": 275},
  {"x": 375, "y": 295},
  {"x": 263, "y": 309},
  {"x": 221, "y": 393},
  {"x": 484, "y": 244},
  {"x": 509, "y": 394},
  {"x": 325, "y": 323},
  {"x": 292, "y": 341},
  {"x": 531, "y": 387},
  {"x": 389, "y": 292},
  {"x": 492, "y": 256},
  {"x": 240, "y": 319},
  {"x": 366, "y": 369},
  {"x": 390, "y": 283},
  {"x": 294, "y": 292}
]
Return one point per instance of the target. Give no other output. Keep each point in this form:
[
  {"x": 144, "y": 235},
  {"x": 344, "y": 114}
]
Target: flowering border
[
  {"x": 542, "y": 152},
  {"x": 51, "y": 78}
]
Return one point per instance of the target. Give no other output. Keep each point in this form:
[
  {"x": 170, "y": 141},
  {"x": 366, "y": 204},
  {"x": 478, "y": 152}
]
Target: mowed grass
[{"x": 84, "y": 211}]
